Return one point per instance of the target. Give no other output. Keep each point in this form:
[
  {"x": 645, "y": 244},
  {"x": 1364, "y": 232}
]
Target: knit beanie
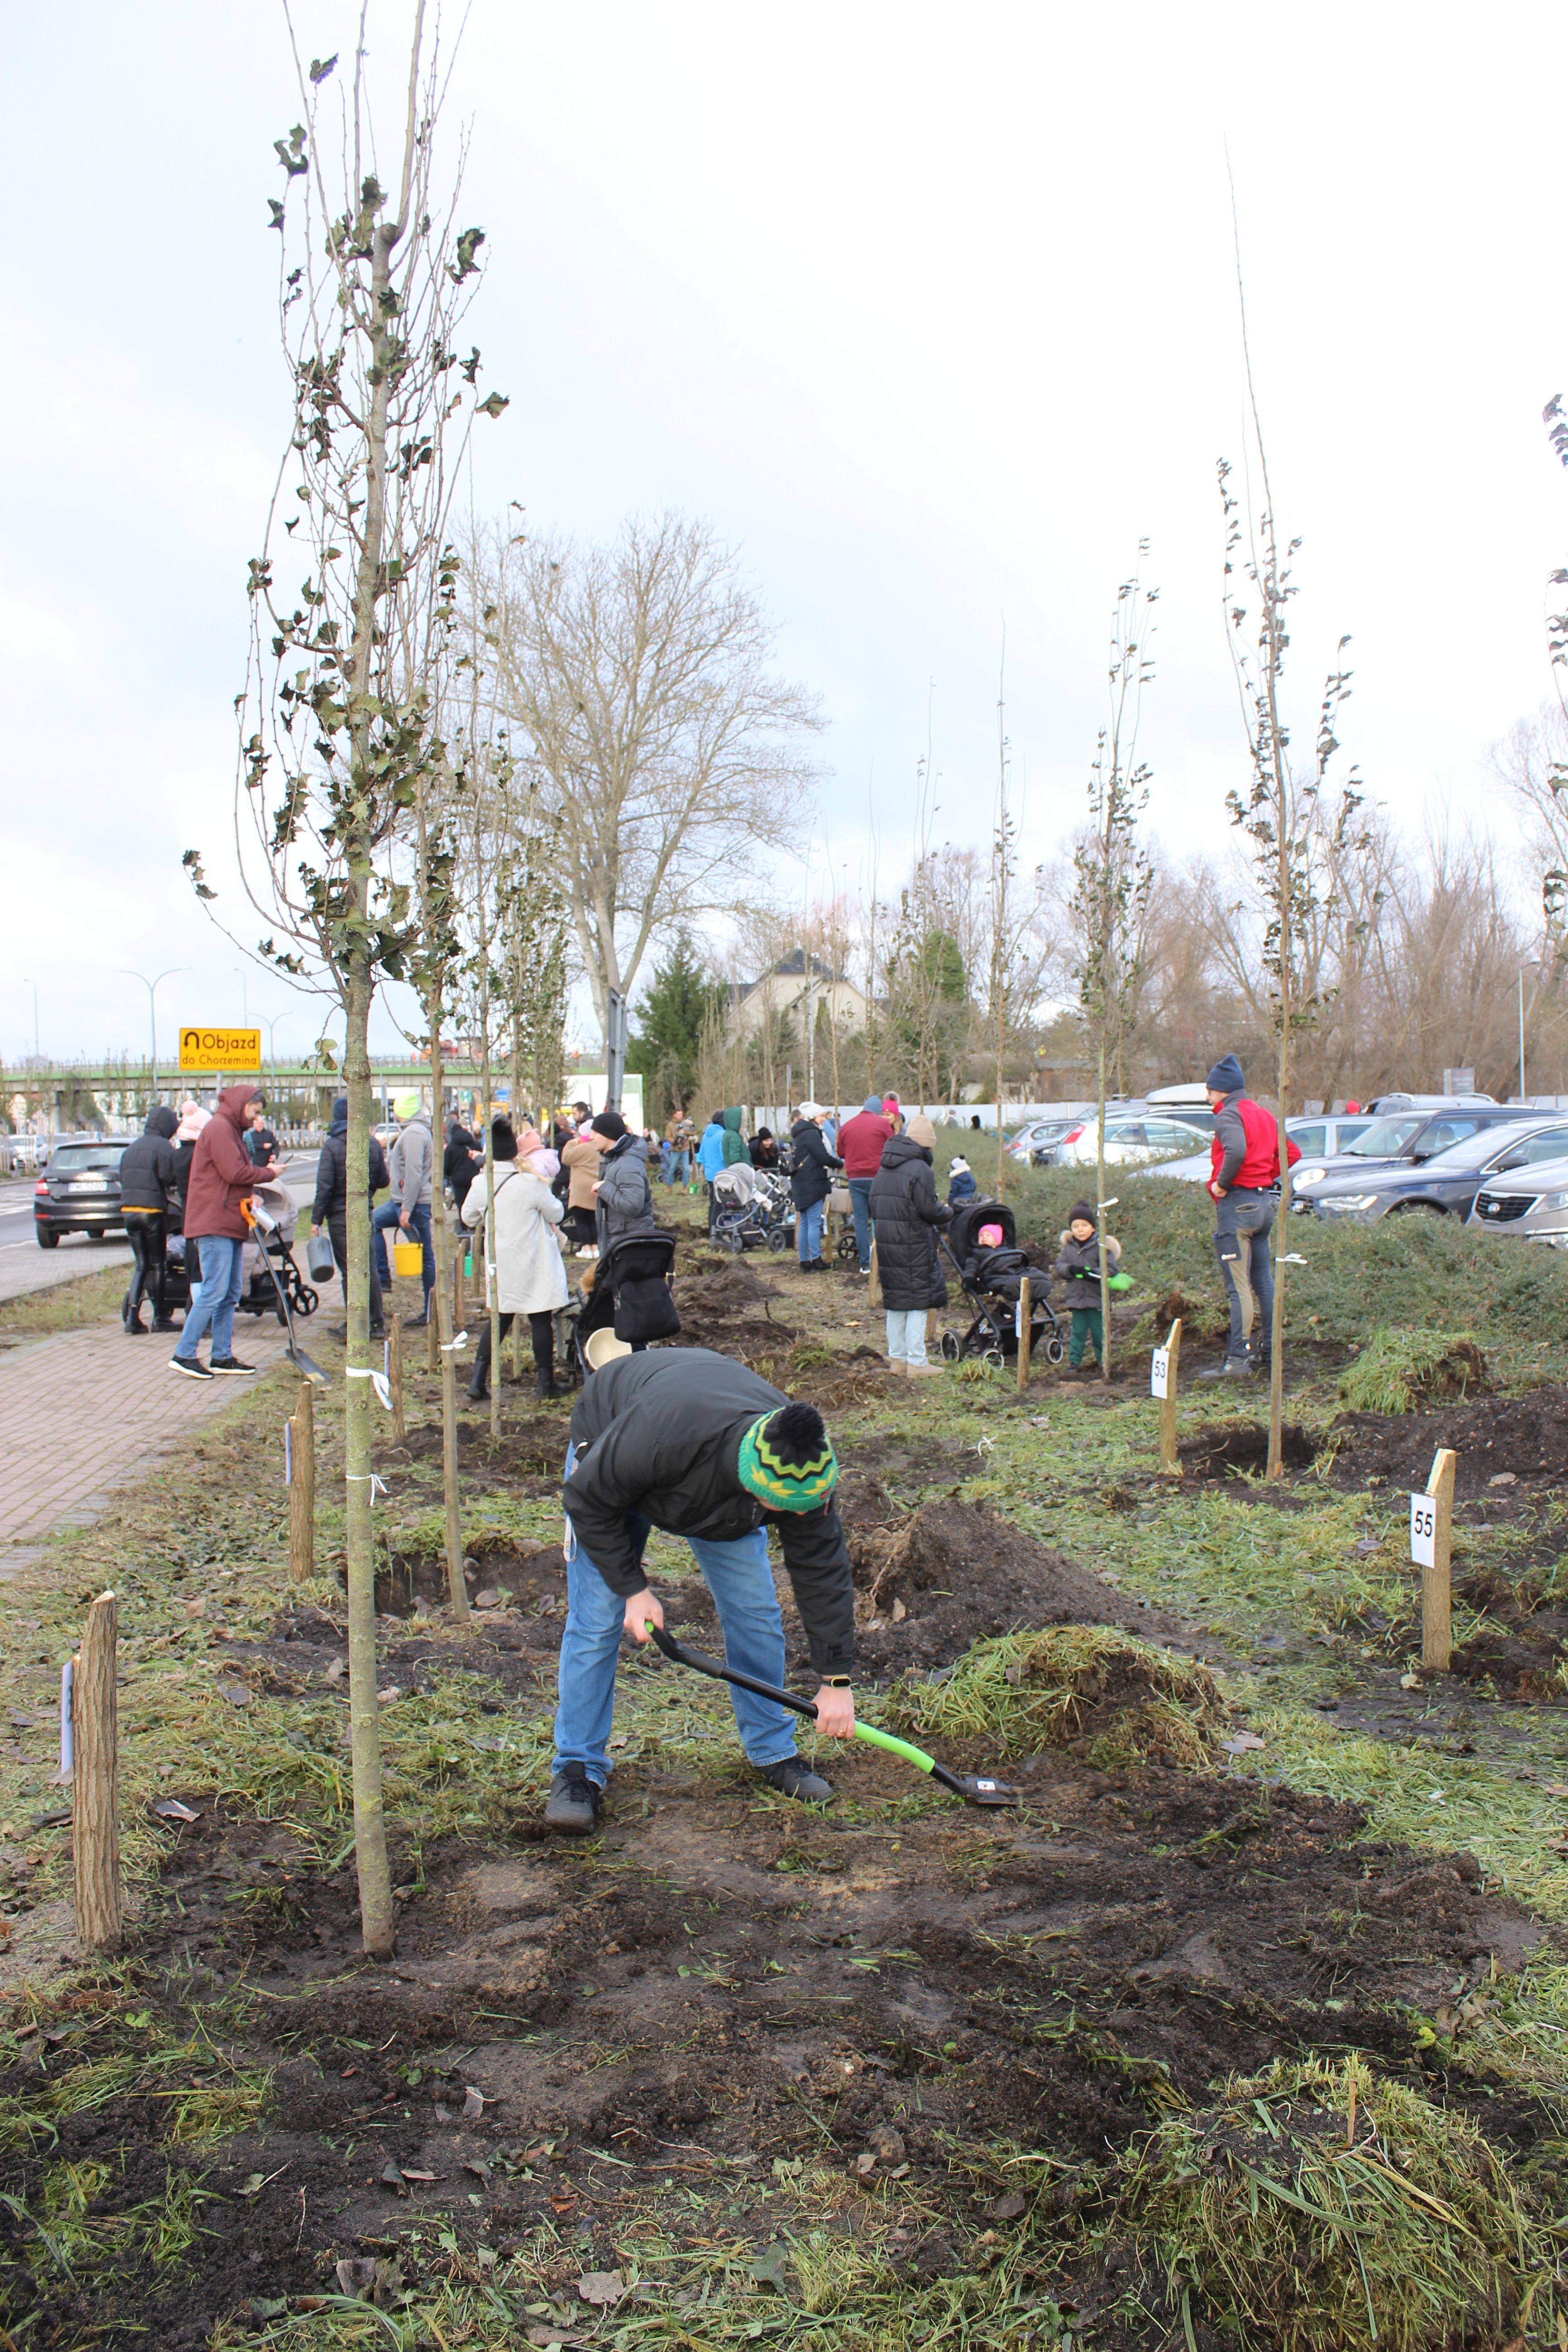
[
  {"x": 921, "y": 1130},
  {"x": 787, "y": 1460},
  {"x": 610, "y": 1123},
  {"x": 1226, "y": 1077},
  {"x": 1083, "y": 1214},
  {"x": 872, "y": 1103}
]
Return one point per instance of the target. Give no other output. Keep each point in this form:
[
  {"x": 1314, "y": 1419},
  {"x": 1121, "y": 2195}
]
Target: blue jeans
[
  {"x": 906, "y": 1335},
  {"x": 808, "y": 1232},
  {"x": 860, "y": 1201},
  {"x": 738, "y": 1576},
  {"x": 215, "y": 1297},
  {"x": 680, "y": 1170},
  {"x": 385, "y": 1218},
  {"x": 1242, "y": 1225}
]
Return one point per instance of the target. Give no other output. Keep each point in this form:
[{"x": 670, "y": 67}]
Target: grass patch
[
  {"x": 1128, "y": 1702},
  {"x": 1320, "y": 2206},
  {"x": 84, "y": 1298},
  {"x": 1398, "y": 1371}
]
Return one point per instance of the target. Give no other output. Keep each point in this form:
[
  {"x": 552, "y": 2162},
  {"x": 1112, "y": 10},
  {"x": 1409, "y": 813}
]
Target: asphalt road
[{"x": 24, "y": 1267}]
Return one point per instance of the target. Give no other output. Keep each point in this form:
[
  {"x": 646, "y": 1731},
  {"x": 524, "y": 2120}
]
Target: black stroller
[
  {"x": 991, "y": 1274},
  {"x": 631, "y": 1295}
]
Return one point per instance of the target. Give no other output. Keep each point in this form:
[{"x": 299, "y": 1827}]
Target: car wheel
[
  {"x": 95, "y": 1234},
  {"x": 48, "y": 1237}
]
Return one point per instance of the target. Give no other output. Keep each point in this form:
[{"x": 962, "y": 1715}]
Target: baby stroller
[
  {"x": 274, "y": 1239},
  {"x": 981, "y": 1245},
  {"x": 631, "y": 1294},
  {"x": 749, "y": 1207}
]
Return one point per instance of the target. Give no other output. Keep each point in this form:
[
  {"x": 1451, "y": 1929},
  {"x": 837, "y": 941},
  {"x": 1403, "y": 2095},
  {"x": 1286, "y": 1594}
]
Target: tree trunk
[
  {"x": 377, "y": 1920},
  {"x": 1100, "y": 1224}
]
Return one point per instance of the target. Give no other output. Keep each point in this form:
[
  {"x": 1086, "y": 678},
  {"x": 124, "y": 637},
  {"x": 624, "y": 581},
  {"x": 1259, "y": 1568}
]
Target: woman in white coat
[{"x": 529, "y": 1275}]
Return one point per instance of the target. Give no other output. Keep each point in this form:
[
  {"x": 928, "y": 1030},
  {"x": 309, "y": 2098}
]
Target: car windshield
[
  {"x": 1471, "y": 1150},
  {"x": 1383, "y": 1138},
  {"x": 85, "y": 1155}
]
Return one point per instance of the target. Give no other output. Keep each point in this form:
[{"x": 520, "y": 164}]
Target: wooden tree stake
[
  {"x": 1025, "y": 1332},
  {"x": 95, "y": 1830},
  {"x": 432, "y": 1336},
  {"x": 394, "y": 1379},
  {"x": 1436, "y": 1602},
  {"x": 1170, "y": 1459},
  {"x": 457, "y": 1289},
  {"x": 302, "y": 1486}
]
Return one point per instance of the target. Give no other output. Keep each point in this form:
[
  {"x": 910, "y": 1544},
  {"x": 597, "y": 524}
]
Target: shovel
[
  {"x": 263, "y": 1222},
  {"x": 962, "y": 1784}
]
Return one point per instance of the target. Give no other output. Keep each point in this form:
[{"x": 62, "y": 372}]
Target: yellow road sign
[{"x": 220, "y": 1049}]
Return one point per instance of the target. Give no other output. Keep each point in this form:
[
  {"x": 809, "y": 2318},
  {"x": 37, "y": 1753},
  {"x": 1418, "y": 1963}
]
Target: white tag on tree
[
  {"x": 1424, "y": 1529},
  {"x": 1159, "y": 1372}
]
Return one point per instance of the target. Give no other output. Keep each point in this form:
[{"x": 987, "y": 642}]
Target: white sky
[{"x": 933, "y": 310}]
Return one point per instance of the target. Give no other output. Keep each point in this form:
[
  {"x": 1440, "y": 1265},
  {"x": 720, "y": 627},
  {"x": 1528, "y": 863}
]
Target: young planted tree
[
  {"x": 1113, "y": 878},
  {"x": 338, "y": 722},
  {"x": 1295, "y": 853}
]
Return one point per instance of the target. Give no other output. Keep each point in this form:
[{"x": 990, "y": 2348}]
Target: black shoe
[
  {"x": 337, "y": 1331},
  {"x": 230, "y": 1364},
  {"x": 415, "y": 1322},
  {"x": 378, "y": 1330},
  {"x": 1233, "y": 1368},
  {"x": 164, "y": 1323},
  {"x": 574, "y": 1804},
  {"x": 792, "y": 1777},
  {"x": 478, "y": 1389},
  {"x": 544, "y": 1385},
  {"x": 191, "y": 1366},
  {"x": 134, "y": 1330}
]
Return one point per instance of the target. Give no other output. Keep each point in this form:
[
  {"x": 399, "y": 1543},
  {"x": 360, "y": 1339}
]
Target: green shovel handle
[{"x": 904, "y": 1748}]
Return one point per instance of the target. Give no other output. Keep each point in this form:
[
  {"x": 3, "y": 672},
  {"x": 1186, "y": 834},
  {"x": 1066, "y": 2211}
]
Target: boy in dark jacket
[
  {"x": 1078, "y": 1267},
  {"x": 696, "y": 1444},
  {"x": 330, "y": 1207},
  {"x": 147, "y": 1178},
  {"x": 907, "y": 1215}
]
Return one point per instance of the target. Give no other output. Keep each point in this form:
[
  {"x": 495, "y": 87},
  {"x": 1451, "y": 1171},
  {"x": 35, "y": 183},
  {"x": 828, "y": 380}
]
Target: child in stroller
[{"x": 982, "y": 1244}]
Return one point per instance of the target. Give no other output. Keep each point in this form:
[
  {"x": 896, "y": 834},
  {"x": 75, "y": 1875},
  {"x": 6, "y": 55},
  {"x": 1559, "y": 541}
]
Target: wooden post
[
  {"x": 1437, "y": 1606},
  {"x": 1025, "y": 1332},
  {"x": 95, "y": 1824},
  {"x": 432, "y": 1337},
  {"x": 457, "y": 1289},
  {"x": 302, "y": 1486},
  {"x": 1170, "y": 1459},
  {"x": 394, "y": 1379}
]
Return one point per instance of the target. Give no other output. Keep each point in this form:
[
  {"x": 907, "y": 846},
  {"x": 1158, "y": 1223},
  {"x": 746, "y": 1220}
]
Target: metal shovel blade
[{"x": 976, "y": 1790}]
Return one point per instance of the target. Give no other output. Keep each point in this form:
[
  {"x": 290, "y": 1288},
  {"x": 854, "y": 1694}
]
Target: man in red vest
[{"x": 1245, "y": 1186}]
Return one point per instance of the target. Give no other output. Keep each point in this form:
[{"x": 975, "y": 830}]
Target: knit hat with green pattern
[{"x": 788, "y": 1461}]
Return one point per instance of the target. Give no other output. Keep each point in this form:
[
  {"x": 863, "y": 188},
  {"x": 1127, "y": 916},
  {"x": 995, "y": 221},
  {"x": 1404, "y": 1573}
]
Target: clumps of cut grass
[
  {"x": 1105, "y": 1694},
  {"x": 1322, "y": 2207},
  {"x": 1398, "y": 1371}
]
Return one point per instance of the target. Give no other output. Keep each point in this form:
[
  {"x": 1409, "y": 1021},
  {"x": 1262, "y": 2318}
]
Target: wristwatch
[{"x": 835, "y": 1682}]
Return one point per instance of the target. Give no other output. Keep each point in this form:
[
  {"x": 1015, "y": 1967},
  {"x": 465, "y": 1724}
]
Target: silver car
[{"x": 1531, "y": 1206}]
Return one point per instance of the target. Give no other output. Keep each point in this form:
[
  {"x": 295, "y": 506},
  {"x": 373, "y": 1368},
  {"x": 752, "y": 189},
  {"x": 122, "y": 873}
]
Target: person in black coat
[
  {"x": 147, "y": 1178},
  {"x": 810, "y": 1182},
  {"x": 330, "y": 1207},
  {"x": 908, "y": 1216},
  {"x": 764, "y": 1151},
  {"x": 461, "y": 1161}
]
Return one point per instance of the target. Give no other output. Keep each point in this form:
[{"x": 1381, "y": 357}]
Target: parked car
[
  {"x": 1531, "y": 1207},
  {"x": 79, "y": 1188},
  {"x": 1319, "y": 1138},
  {"x": 1448, "y": 1182},
  {"x": 1129, "y": 1137},
  {"x": 1039, "y": 1134},
  {"x": 1410, "y": 1135}
]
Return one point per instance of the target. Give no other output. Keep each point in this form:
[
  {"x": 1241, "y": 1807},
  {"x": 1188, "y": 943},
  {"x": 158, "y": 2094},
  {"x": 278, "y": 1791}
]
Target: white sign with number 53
[
  {"x": 1422, "y": 1529},
  {"x": 1159, "y": 1372}
]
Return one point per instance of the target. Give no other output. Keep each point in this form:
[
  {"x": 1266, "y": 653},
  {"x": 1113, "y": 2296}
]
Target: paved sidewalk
[{"x": 89, "y": 1410}]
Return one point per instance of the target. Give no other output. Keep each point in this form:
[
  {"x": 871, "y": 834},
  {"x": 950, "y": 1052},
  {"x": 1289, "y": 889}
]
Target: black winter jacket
[
  {"x": 147, "y": 1168},
  {"x": 660, "y": 1435},
  {"x": 811, "y": 1164},
  {"x": 907, "y": 1214},
  {"x": 332, "y": 1175},
  {"x": 459, "y": 1167},
  {"x": 1079, "y": 1265}
]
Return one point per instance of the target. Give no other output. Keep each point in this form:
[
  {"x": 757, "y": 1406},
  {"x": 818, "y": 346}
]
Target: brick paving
[{"x": 89, "y": 1410}]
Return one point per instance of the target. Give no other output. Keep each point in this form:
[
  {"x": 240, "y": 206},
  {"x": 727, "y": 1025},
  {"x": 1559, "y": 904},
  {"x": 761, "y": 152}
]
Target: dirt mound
[
  {"x": 1107, "y": 1696},
  {"x": 1526, "y": 1661},
  {"x": 727, "y": 1306},
  {"x": 1230, "y": 1447},
  {"x": 953, "y": 1573},
  {"x": 1523, "y": 1439}
]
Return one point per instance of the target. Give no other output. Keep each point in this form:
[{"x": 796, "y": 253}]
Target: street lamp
[
  {"x": 152, "y": 987},
  {"x": 288, "y": 1015},
  {"x": 34, "y": 986}
]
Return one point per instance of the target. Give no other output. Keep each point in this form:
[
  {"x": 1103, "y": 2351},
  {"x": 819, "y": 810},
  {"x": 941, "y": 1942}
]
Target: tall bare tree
[
  {"x": 337, "y": 718},
  {"x": 640, "y": 677}
]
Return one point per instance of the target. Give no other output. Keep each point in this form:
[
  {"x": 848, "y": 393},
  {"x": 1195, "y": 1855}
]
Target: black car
[
  {"x": 1446, "y": 1183},
  {"x": 79, "y": 1188}
]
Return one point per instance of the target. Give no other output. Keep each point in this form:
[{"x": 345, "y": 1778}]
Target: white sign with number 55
[
  {"x": 1159, "y": 1372},
  {"x": 1424, "y": 1529}
]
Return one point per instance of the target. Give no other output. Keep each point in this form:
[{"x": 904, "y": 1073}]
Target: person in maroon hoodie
[
  {"x": 860, "y": 1143},
  {"x": 221, "y": 1177}
]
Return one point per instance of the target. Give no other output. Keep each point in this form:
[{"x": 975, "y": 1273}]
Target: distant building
[{"x": 792, "y": 992}]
